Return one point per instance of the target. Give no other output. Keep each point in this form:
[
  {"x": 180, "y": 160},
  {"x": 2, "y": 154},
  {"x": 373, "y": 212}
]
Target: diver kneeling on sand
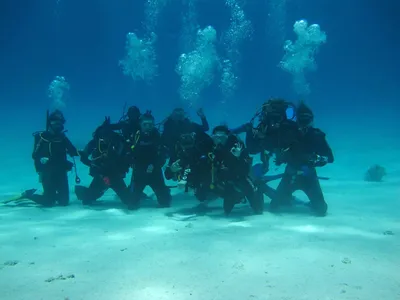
[
  {"x": 177, "y": 124},
  {"x": 188, "y": 164},
  {"x": 51, "y": 148},
  {"x": 230, "y": 172},
  {"x": 309, "y": 151},
  {"x": 148, "y": 158},
  {"x": 107, "y": 157}
]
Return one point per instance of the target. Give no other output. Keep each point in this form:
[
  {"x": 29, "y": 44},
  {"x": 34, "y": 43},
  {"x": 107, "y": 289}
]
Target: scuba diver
[
  {"x": 230, "y": 170},
  {"x": 148, "y": 158},
  {"x": 107, "y": 157},
  {"x": 129, "y": 123},
  {"x": 275, "y": 131},
  {"x": 178, "y": 123},
  {"x": 50, "y": 151},
  {"x": 188, "y": 163},
  {"x": 265, "y": 137},
  {"x": 309, "y": 151}
]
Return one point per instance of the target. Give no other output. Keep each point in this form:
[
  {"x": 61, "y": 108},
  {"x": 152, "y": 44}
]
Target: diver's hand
[
  {"x": 107, "y": 121},
  {"x": 319, "y": 161},
  {"x": 175, "y": 167},
  {"x": 44, "y": 160},
  {"x": 200, "y": 113},
  {"x": 150, "y": 169},
  {"x": 237, "y": 150}
]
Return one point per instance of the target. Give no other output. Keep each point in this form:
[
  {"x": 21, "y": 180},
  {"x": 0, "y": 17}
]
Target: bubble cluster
[
  {"x": 228, "y": 80},
  {"x": 189, "y": 26},
  {"x": 196, "y": 68},
  {"x": 276, "y": 20},
  {"x": 299, "y": 56},
  {"x": 153, "y": 9},
  {"x": 239, "y": 30},
  {"x": 140, "y": 58},
  {"x": 56, "y": 91}
]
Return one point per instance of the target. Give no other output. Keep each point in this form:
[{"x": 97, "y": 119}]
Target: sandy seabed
[{"x": 106, "y": 252}]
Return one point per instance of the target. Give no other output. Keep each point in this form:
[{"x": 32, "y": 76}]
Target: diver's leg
[
  {"x": 266, "y": 189},
  {"x": 90, "y": 194},
  {"x": 230, "y": 198},
  {"x": 162, "y": 192},
  {"x": 312, "y": 188},
  {"x": 201, "y": 192},
  {"x": 62, "y": 189},
  {"x": 130, "y": 187},
  {"x": 253, "y": 195},
  {"x": 120, "y": 188},
  {"x": 284, "y": 191},
  {"x": 48, "y": 198},
  {"x": 140, "y": 181}
]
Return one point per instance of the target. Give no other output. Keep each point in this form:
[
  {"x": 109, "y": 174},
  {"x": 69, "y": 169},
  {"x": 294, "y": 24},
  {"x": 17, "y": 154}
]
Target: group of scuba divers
[{"x": 216, "y": 165}]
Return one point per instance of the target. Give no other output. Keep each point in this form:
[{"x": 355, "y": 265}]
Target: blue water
[{"x": 354, "y": 92}]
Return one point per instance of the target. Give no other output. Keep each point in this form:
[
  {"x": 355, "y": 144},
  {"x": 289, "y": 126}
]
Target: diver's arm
[
  {"x": 200, "y": 128},
  {"x": 241, "y": 129},
  {"x": 85, "y": 153},
  {"x": 169, "y": 175},
  {"x": 323, "y": 150},
  {"x": 264, "y": 157},
  {"x": 71, "y": 149},
  {"x": 243, "y": 161},
  {"x": 117, "y": 126},
  {"x": 36, "y": 147},
  {"x": 204, "y": 123}
]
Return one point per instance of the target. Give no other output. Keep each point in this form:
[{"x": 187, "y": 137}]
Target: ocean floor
[{"x": 181, "y": 253}]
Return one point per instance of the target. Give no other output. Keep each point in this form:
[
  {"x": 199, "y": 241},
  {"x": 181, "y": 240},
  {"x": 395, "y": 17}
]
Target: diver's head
[
  {"x": 146, "y": 122},
  {"x": 56, "y": 121},
  {"x": 187, "y": 140},
  {"x": 274, "y": 112},
  {"x": 305, "y": 116},
  {"x": 103, "y": 132},
  {"x": 178, "y": 115},
  {"x": 220, "y": 135},
  {"x": 133, "y": 113}
]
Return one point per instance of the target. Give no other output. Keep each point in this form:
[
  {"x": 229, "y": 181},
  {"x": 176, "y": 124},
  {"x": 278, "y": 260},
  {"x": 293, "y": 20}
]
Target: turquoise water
[{"x": 228, "y": 57}]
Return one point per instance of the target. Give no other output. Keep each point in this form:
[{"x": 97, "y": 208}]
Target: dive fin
[
  {"x": 268, "y": 178},
  {"x": 25, "y": 195}
]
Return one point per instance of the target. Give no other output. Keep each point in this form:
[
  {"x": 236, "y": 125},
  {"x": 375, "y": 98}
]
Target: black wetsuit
[
  {"x": 267, "y": 140},
  {"x": 54, "y": 173},
  {"x": 232, "y": 177},
  {"x": 109, "y": 162},
  {"x": 174, "y": 129},
  {"x": 127, "y": 127},
  {"x": 149, "y": 156},
  {"x": 195, "y": 159},
  {"x": 253, "y": 143},
  {"x": 310, "y": 151}
]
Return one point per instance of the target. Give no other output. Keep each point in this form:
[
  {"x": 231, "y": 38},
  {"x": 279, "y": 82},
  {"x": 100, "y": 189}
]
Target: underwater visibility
[{"x": 198, "y": 149}]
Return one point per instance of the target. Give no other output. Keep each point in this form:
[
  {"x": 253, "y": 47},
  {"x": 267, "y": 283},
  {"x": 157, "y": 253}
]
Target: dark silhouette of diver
[
  {"x": 50, "y": 151},
  {"x": 178, "y": 123},
  {"x": 148, "y": 158},
  {"x": 107, "y": 156},
  {"x": 230, "y": 169},
  {"x": 309, "y": 151}
]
